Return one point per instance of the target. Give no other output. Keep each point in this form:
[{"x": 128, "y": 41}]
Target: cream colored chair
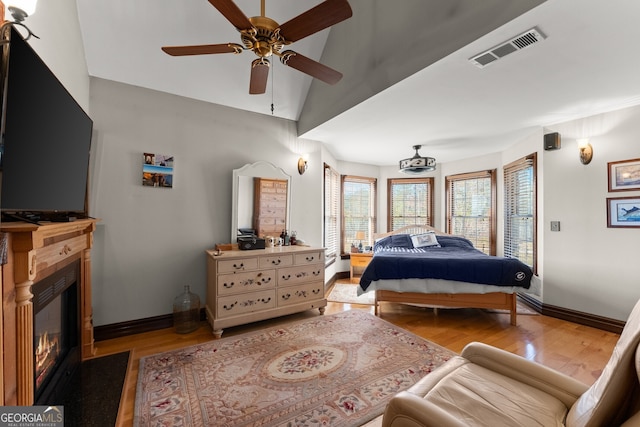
[{"x": 486, "y": 386}]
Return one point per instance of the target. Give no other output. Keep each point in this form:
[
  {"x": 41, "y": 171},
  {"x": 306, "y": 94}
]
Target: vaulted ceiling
[{"x": 407, "y": 75}]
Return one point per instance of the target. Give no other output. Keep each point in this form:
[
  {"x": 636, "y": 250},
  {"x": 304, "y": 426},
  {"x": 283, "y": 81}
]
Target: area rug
[
  {"x": 348, "y": 293},
  {"x": 334, "y": 370}
]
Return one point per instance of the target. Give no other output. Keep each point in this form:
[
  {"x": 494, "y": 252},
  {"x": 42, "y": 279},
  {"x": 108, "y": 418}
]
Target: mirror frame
[{"x": 260, "y": 169}]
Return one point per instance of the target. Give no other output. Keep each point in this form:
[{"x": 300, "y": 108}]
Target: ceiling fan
[{"x": 265, "y": 37}]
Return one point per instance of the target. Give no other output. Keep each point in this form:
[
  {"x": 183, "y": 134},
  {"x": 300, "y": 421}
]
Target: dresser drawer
[
  {"x": 276, "y": 261},
  {"x": 237, "y": 265},
  {"x": 301, "y": 293},
  {"x": 308, "y": 258},
  {"x": 300, "y": 274},
  {"x": 250, "y": 281},
  {"x": 234, "y": 305}
]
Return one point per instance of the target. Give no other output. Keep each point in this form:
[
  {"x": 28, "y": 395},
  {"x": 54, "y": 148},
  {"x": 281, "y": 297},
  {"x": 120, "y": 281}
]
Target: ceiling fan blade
[
  {"x": 324, "y": 15},
  {"x": 259, "y": 75},
  {"x": 203, "y": 49},
  {"x": 229, "y": 10},
  {"x": 310, "y": 67}
]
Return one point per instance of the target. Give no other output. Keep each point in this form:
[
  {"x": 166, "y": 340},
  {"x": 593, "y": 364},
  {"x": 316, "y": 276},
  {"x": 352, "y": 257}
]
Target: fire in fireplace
[{"x": 56, "y": 332}]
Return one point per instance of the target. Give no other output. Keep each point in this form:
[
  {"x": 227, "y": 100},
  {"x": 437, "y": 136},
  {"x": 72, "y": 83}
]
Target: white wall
[
  {"x": 151, "y": 241},
  {"x": 589, "y": 267},
  {"x": 59, "y": 45}
]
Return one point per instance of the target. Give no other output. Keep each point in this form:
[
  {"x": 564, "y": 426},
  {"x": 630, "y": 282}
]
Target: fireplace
[
  {"x": 34, "y": 252},
  {"x": 56, "y": 332}
]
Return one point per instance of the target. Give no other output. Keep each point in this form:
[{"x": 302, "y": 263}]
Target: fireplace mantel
[{"x": 33, "y": 253}]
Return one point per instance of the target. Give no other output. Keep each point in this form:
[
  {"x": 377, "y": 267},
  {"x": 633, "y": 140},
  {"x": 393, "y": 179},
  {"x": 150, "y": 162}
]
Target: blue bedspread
[{"x": 455, "y": 259}]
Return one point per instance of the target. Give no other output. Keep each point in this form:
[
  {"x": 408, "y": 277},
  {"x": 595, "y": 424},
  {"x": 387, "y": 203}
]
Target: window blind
[
  {"x": 331, "y": 212},
  {"x": 471, "y": 208},
  {"x": 358, "y": 210},
  {"x": 410, "y": 202},
  {"x": 520, "y": 210}
]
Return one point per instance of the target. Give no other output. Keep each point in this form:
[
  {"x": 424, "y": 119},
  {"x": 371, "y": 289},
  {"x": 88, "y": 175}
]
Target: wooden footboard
[{"x": 494, "y": 300}]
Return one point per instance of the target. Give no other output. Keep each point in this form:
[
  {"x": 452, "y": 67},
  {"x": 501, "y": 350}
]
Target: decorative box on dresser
[{"x": 248, "y": 286}]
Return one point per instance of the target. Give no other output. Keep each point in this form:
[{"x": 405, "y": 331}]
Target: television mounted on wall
[{"x": 46, "y": 140}]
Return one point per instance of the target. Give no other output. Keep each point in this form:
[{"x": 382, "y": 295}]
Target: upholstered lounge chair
[{"x": 486, "y": 386}]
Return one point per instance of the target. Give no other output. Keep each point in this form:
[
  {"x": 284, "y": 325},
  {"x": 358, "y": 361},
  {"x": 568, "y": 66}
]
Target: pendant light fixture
[{"x": 417, "y": 164}]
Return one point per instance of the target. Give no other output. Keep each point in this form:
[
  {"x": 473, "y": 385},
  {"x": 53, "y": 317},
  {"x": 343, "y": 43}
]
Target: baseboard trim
[
  {"x": 123, "y": 329},
  {"x": 579, "y": 317},
  {"x": 138, "y": 326}
]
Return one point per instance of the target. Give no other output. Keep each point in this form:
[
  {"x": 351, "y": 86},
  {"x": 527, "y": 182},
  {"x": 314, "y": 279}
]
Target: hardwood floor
[{"x": 576, "y": 350}]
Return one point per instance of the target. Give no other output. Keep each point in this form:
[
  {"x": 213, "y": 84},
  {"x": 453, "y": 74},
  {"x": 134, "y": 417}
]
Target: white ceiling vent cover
[{"x": 525, "y": 39}]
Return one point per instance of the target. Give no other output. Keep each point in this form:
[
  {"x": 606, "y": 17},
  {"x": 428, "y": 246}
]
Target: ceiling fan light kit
[
  {"x": 265, "y": 37},
  {"x": 417, "y": 164}
]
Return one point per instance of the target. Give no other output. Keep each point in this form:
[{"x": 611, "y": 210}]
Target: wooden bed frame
[{"x": 493, "y": 300}]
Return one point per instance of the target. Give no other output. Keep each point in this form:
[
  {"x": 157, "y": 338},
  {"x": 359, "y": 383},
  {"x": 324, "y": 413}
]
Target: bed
[{"x": 422, "y": 266}]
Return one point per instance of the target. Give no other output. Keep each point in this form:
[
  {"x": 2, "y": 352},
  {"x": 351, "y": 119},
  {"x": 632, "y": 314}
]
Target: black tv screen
[{"x": 46, "y": 138}]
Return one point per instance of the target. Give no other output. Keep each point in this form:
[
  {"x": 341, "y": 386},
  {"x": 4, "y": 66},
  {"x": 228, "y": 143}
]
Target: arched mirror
[{"x": 246, "y": 197}]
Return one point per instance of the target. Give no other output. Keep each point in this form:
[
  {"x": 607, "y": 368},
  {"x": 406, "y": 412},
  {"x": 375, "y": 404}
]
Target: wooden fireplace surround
[{"x": 33, "y": 253}]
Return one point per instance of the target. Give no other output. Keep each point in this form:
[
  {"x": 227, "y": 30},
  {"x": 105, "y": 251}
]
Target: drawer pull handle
[
  {"x": 276, "y": 262},
  {"x": 301, "y": 274},
  {"x": 265, "y": 280},
  {"x": 316, "y": 291},
  {"x": 265, "y": 300},
  {"x": 316, "y": 273},
  {"x": 239, "y": 267},
  {"x": 65, "y": 250},
  {"x": 310, "y": 258},
  {"x": 286, "y": 296},
  {"x": 228, "y": 285},
  {"x": 287, "y": 277},
  {"x": 230, "y": 306}
]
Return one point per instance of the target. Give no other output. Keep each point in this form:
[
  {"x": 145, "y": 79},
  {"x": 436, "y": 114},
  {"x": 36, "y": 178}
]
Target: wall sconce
[
  {"x": 302, "y": 164},
  {"x": 586, "y": 151},
  {"x": 19, "y": 10}
]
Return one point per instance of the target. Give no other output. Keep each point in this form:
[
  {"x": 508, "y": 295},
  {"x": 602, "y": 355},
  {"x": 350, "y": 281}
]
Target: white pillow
[{"x": 424, "y": 240}]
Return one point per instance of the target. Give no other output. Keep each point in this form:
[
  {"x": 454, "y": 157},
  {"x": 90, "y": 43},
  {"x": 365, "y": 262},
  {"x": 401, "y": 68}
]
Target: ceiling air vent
[{"x": 525, "y": 39}]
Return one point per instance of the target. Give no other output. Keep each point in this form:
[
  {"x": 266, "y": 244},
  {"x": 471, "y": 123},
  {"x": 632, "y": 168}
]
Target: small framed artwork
[
  {"x": 157, "y": 170},
  {"x": 623, "y": 212},
  {"x": 624, "y": 175}
]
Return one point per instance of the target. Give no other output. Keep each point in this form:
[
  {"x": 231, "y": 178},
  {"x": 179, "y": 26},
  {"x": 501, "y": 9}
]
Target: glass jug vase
[{"x": 186, "y": 312}]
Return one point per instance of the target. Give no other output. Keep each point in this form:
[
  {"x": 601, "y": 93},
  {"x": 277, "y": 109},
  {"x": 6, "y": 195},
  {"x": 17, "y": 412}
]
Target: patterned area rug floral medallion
[{"x": 334, "y": 370}]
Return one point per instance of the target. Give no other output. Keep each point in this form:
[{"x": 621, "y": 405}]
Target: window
[
  {"x": 520, "y": 210},
  {"x": 471, "y": 206},
  {"x": 358, "y": 210},
  {"x": 410, "y": 202},
  {"x": 331, "y": 212}
]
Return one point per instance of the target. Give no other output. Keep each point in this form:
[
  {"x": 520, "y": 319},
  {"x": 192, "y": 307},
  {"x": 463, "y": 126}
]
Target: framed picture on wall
[
  {"x": 624, "y": 175},
  {"x": 623, "y": 212}
]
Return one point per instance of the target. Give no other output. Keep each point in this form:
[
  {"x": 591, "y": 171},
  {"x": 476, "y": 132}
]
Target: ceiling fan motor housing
[{"x": 262, "y": 38}]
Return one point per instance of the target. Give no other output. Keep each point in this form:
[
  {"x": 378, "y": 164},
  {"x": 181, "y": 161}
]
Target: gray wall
[{"x": 152, "y": 241}]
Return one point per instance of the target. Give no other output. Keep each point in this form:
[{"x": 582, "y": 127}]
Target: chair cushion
[{"x": 480, "y": 397}]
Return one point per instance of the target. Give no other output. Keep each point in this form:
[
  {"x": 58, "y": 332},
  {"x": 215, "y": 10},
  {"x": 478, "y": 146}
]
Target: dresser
[{"x": 248, "y": 286}]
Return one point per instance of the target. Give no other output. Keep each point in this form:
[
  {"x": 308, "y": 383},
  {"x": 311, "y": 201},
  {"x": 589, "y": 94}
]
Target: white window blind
[
  {"x": 471, "y": 208},
  {"x": 358, "y": 210},
  {"x": 520, "y": 210},
  {"x": 410, "y": 202},
  {"x": 331, "y": 212}
]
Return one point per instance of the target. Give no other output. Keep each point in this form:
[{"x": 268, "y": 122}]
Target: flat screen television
[{"x": 46, "y": 138}]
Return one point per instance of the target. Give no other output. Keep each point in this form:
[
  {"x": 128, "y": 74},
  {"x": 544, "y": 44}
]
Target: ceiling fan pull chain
[{"x": 272, "y": 73}]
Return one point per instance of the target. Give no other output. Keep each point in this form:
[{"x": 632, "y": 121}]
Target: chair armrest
[
  {"x": 555, "y": 383},
  {"x": 408, "y": 410}
]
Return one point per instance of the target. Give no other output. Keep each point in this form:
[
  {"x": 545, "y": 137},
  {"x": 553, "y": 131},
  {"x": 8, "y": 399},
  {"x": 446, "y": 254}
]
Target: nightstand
[{"x": 360, "y": 259}]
